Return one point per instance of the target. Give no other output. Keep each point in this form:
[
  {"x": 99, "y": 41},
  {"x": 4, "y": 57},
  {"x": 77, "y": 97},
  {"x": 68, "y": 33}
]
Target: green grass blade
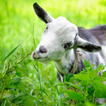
[
  {"x": 46, "y": 94},
  {"x": 33, "y": 37},
  {"x": 13, "y": 50},
  {"x": 10, "y": 53}
]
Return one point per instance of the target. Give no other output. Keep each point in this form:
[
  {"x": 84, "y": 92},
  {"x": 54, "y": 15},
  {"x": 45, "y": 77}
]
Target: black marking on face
[
  {"x": 67, "y": 45},
  {"x": 42, "y": 49}
]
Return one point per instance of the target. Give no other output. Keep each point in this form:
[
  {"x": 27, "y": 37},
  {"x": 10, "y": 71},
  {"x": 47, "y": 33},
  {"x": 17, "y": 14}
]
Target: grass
[{"x": 24, "y": 82}]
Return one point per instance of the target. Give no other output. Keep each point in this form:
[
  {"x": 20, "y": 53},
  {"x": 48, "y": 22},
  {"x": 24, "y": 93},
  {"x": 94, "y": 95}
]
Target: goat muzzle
[{"x": 34, "y": 55}]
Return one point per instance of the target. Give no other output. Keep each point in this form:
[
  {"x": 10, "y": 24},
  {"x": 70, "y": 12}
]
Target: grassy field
[{"x": 25, "y": 82}]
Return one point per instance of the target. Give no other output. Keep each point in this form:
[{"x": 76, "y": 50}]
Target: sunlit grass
[
  {"x": 18, "y": 18},
  {"x": 24, "y": 80}
]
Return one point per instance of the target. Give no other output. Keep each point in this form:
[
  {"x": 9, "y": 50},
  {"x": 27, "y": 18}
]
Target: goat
[{"x": 61, "y": 39}]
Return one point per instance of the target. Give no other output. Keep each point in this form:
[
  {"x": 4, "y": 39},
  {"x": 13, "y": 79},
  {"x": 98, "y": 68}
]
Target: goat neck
[{"x": 65, "y": 64}]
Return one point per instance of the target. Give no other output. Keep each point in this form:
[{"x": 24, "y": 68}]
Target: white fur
[
  {"x": 59, "y": 31},
  {"x": 64, "y": 63},
  {"x": 104, "y": 52}
]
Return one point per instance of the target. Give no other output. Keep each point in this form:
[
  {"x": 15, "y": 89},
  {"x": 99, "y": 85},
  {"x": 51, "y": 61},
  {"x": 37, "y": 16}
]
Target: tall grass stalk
[{"x": 25, "y": 82}]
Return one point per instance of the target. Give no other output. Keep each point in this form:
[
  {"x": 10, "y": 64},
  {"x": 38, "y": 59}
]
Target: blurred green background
[
  {"x": 19, "y": 74},
  {"x": 17, "y": 19}
]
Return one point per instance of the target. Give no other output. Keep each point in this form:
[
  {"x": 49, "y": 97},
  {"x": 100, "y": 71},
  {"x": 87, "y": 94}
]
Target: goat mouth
[
  {"x": 40, "y": 58},
  {"x": 36, "y": 57}
]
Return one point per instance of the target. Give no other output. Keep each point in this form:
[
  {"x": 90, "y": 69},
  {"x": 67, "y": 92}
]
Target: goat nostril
[{"x": 42, "y": 49}]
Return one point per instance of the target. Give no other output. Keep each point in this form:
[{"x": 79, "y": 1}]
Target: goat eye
[
  {"x": 46, "y": 29},
  {"x": 67, "y": 45}
]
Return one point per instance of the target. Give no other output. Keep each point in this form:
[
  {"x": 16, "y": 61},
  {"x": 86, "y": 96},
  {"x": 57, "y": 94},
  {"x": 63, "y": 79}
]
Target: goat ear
[
  {"x": 42, "y": 14},
  {"x": 86, "y": 45}
]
